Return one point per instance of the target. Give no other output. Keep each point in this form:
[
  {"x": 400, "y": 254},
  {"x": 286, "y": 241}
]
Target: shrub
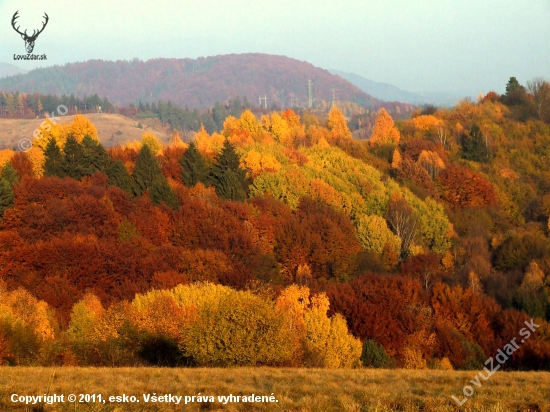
[
  {"x": 240, "y": 329},
  {"x": 374, "y": 355},
  {"x": 441, "y": 364}
]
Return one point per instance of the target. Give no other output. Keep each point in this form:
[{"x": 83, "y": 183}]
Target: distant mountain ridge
[
  {"x": 193, "y": 82},
  {"x": 7, "y": 69},
  {"x": 379, "y": 90},
  {"x": 388, "y": 92}
]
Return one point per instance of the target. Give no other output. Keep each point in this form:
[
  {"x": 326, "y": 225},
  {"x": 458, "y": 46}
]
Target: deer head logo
[{"x": 29, "y": 40}]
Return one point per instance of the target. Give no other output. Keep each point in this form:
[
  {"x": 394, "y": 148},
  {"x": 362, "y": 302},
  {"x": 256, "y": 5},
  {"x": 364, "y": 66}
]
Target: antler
[
  {"x": 15, "y": 17},
  {"x": 34, "y": 34}
]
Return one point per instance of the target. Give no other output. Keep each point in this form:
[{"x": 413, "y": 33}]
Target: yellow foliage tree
[
  {"x": 239, "y": 328},
  {"x": 318, "y": 135},
  {"x": 230, "y": 125},
  {"x": 49, "y": 130},
  {"x": 322, "y": 190},
  {"x": 5, "y": 157},
  {"x": 533, "y": 278},
  {"x": 84, "y": 315},
  {"x": 209, "y": 146},
  {"x": 37, "y": 158},
  {"x": 413, "y": 359},
  {"x": 294, "y": 300},
  {"x": 110, "y": 324},
  {"x": 132, "y": 145},
  {"x": 431, "y": 161},
  {"x": 257, "y": 163},
  {"x": 156, "y": 305},
  {"x": 249, "y": 123},
  {"x": 280, "y": 129},
  {"x": 291, "y": 117},
  {"x": 384, "y": 131},
  {"x": 442, "y": 364},
  {"x": 338, "y": 126},
  {"x": 297, "y": 129},
  {"x": 80, "y": 127},
  {"x": 265, "y": 123},
  {"x": 20, "y": 306},
  {"x": 397, "y": 160},
  {"x": 373, "y": 234},
  {"x": 152, "y": 141},
  {"x": 343, "y": 350},
  {"x": 426, "y": 122},
  {"x": 317, "y": 331},
  {"x": 176, "y": 141},
  {"x": 241, "y": 138},
  {"x": 325, "y": 341}
]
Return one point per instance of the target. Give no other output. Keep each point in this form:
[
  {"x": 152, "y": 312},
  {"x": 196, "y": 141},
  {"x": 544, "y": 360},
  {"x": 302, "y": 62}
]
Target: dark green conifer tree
[
  {"x": 227, "y": 177},
  {"x": 54, "y": 159},
  {"x": 219, "y": 114},
  {"x": 9, "y": 174},
  {"x": 96, "y": 157},
  {"x": 147, "y": 169},
  {"x": 8, "y": 179},
  {"x": 161, "y": 192},
  {"x": 193, "y": 167},
  {"x": 119, "y": 176},
  {"x": 74, "y": 163},
  {"x": 475, "y": 147}
]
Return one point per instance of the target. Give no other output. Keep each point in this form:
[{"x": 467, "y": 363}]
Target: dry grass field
[
  {"x": 112, "y": 129},
  {"x": 313, "y": 390}
]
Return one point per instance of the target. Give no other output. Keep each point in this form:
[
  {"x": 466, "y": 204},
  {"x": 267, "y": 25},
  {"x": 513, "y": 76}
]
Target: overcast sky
[{"x": 467, "y": 46}]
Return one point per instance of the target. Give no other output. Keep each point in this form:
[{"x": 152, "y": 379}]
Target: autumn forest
[{"x": 277, "y": 238}]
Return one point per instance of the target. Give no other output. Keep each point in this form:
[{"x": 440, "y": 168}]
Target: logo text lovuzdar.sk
[{"x": 29, "y": 39}]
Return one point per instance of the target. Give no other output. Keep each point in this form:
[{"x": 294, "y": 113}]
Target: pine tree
[
  {"x": 96, "y": 157},
  {"x": 474, "y": 147},
  {"x": 230, "y": 187},
  {"x": 74, "y": 162},
  {"x": 146, "y": 171},
  {"x": 6, "y": 195},
  {"x": 515, "y": 93},
  {"x": 193, "y": 167},
  {"x": 52, "y": 164},
  {"x": 219, "y": 114},
  {"x": 161, "y": 192},
  {"x": 9, "y": 174},
  {"x": 10, "y": 104},
  {"x": 119, "y": 176},
  {"x": 8, "y": 179},
  {"x": 227, "y": 177}
]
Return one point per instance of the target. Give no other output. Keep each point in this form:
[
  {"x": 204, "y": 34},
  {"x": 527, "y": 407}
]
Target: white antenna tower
[{"x": 309, "y": 84}]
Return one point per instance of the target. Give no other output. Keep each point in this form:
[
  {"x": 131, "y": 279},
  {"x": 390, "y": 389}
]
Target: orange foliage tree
[{"x": 384, "y": 131}]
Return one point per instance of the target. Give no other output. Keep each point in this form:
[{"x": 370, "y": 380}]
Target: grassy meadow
[
  {"x": 313, "y": 390},
  {"x": 113, "y": 129}
]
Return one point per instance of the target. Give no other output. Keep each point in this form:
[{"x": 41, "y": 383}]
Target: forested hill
[
  {"x": 429, "y": 242},
  {"x": 193, "y": 83}
]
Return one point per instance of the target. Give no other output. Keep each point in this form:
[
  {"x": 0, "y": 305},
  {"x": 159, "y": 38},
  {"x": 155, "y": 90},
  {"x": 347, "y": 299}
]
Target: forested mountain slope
[
  {"x": 428, "y": 244},
  {"x": 193, "y": 82}
]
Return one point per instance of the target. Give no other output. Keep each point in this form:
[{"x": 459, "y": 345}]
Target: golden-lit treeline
[{"x": 199, "y": 324}]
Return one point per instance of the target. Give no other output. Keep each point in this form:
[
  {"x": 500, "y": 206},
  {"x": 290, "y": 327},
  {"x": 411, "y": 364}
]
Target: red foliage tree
[{"x": 462, "y": 187}]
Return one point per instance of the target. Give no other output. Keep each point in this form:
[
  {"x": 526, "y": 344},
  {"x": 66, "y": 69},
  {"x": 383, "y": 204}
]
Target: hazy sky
[{"x": 469, "y": 46}]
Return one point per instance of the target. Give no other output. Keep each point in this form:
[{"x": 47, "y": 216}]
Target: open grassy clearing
[
  {"x": 295, "y": 389},
  {"x": 112, "y": 129}
]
